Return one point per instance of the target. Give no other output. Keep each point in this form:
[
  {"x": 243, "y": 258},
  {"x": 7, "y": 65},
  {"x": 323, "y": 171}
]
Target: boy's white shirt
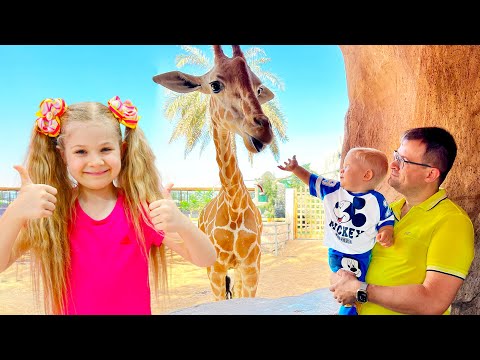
[{"x": 350, "y": 227}]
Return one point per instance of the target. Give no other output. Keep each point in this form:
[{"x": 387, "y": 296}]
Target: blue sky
[{"x": 314, "y": 101}]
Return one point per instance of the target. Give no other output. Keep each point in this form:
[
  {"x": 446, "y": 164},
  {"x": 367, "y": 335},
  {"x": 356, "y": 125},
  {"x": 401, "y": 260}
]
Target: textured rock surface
[
  {"x": 317, "y": 302},
  {"x": 393, "y": 88}
]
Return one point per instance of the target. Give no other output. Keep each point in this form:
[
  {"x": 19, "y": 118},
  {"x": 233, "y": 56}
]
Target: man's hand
[{"x": 344, "y": 286}]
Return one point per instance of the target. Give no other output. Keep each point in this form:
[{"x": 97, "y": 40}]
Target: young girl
[{"x": 92, "y": 211}]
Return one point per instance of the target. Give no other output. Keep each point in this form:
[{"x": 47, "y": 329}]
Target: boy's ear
[{"x": 368, "y": 175}]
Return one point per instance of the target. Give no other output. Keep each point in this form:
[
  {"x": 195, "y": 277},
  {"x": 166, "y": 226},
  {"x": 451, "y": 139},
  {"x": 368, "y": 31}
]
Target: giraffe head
[{"x": 236, "y": 96}]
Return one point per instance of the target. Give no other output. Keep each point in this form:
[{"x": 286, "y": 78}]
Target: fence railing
[
  {"x": 276, "y": 231},
  {"x": 274, "y": 236},
  {"x": 7, "y": 195}
]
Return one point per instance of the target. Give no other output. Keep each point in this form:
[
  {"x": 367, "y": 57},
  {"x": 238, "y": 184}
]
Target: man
[{"x": 433, "y": 237}]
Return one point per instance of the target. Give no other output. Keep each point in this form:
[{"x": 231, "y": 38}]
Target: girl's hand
[
  {"x": 34, "y": 201},
  {"x": 166, "y": 215}
]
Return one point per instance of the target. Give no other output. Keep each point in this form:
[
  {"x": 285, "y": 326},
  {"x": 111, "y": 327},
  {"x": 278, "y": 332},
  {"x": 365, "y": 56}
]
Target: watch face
[{"x": 362, "y": 297}]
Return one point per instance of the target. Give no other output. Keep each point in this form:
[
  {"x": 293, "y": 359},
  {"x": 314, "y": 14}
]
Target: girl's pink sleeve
[{"x": 152, "y": 236}]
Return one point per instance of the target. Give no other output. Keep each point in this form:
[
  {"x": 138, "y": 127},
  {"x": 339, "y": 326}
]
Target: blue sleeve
[
  {"x": 320, "y": 187},
  {"x": 312, "y": 185},
  {"x": 386, "y": 214}
]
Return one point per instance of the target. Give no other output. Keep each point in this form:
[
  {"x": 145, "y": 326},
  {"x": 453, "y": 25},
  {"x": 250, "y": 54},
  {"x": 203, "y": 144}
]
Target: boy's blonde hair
[
  {"x": 372, "y": 159},
  {"x": 47, "y": 238}
]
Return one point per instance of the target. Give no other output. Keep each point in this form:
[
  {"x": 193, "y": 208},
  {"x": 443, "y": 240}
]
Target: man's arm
[{"x": 432, "y": 297}]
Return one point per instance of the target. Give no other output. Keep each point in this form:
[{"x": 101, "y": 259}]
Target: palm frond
[
  {"x": 174, "y": 103},
  {"x": 256, "y": 57},
  {"x": 250, "y": 158},
  {"x": 205, "y": 138},
  {"x": 190, "y": 118},
  {"x": 254, "y": 52},
  {"x": 277, "y": 119},
  {"x": 197, "y": 128},
  {"x": 271, "y": 78},
  {"x": 194, "y": 56},
  {"x": 275, "y": 149},
  {"x": 207, "y": 133}
]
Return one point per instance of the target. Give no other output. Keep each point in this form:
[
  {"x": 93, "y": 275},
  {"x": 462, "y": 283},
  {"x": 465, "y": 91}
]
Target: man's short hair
[{"x": 441, "y": 148}]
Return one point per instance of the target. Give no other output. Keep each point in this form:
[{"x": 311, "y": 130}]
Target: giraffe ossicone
[{"x": 231, "y": 219}]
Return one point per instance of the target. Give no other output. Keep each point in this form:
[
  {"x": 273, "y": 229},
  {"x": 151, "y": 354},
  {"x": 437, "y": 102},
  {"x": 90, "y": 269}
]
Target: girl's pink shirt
[{"x": 109, "y": 269}]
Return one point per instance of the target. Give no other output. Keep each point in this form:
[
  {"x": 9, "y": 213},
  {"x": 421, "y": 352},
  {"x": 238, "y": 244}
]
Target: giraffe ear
[
  {"x": 266, "y": 95},
  {"x": 179, "y": 82}
]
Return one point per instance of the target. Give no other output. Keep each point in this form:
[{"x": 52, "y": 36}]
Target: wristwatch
[{"x": 362, "y": 295}]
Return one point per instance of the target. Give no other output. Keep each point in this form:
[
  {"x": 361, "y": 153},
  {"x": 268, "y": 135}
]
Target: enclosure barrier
[{"x": 274, "y": 236}]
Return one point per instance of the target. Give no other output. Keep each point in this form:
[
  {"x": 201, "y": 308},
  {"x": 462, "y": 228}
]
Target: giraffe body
[{"x": 231, "y": 220}]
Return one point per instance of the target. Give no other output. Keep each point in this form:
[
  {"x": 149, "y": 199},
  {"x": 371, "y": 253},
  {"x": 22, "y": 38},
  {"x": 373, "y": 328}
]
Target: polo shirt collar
[{"x": 427, "y": 205}]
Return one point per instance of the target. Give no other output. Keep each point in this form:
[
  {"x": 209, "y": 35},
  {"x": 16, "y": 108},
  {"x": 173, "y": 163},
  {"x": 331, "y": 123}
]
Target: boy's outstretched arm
[
  {"x": 297, "y": 170},
  {"x": 181, "y": 235}
]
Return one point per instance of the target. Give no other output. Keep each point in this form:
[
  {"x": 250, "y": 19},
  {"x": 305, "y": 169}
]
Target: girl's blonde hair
[
  {"x": 372, "y": 159},
  {"x": 47, "y": 238}
]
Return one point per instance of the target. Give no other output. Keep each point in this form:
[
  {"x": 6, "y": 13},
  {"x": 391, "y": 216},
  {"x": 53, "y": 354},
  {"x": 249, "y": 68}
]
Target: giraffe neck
[{"x": 230, "y": 176}]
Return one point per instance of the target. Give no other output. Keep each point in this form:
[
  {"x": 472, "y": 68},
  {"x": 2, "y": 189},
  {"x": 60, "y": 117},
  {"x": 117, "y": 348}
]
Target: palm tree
[{"x": 190, "y": 111}]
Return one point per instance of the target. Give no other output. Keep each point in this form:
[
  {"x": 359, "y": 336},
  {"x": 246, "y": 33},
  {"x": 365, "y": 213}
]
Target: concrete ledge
[{"x": 317, "y": 302}]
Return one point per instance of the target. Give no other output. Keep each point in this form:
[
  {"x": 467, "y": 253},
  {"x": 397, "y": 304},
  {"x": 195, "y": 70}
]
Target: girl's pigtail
[
  {"x": 47, "y": 238},
  {"x": 141, "y": 182}
]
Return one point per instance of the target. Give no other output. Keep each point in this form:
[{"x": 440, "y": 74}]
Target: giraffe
[{"x": 231, "y": 219}]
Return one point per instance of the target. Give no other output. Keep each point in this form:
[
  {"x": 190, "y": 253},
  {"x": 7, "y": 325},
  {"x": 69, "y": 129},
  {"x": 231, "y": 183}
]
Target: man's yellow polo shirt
[{"x": 435, "y": 235}]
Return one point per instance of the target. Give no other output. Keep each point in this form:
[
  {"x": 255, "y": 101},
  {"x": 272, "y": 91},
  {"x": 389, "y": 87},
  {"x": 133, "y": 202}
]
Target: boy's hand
[
  {"x": 34, "y": 201},
  {"x": 291, "y": 165},
  {"x": 385, "y": 236},
  {"x": 165, "y": 214}
]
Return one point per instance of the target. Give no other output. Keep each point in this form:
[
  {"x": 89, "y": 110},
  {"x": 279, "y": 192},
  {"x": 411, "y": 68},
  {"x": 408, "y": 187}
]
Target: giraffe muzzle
[
  {"x": 257, "y": 144},
  {"x": 262, "y": 133}
]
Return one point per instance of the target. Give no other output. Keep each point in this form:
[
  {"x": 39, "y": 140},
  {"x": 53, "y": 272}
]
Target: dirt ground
[{"x": 300, "y": 267}]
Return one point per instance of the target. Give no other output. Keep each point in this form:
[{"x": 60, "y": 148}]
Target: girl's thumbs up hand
[
  {"x": 34, "y": 201},
  {"x": 165, "y": 214}
]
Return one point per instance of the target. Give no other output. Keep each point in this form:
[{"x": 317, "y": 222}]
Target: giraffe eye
[
  {"x": 216, "y": 86},
  {"x": 260, "y": 90}
]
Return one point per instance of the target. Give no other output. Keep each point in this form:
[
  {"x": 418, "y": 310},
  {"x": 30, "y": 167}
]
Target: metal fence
[
  {"x": 7, "y": 195},
  {"x": 276, "y": 233},
  {"x": 274, "y": 236}
]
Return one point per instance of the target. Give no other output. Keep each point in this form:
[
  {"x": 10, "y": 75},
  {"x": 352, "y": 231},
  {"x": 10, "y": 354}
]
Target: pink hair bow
[
  {"x": 49, "y": 114},
  {"x": 125, "y": 111}
]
